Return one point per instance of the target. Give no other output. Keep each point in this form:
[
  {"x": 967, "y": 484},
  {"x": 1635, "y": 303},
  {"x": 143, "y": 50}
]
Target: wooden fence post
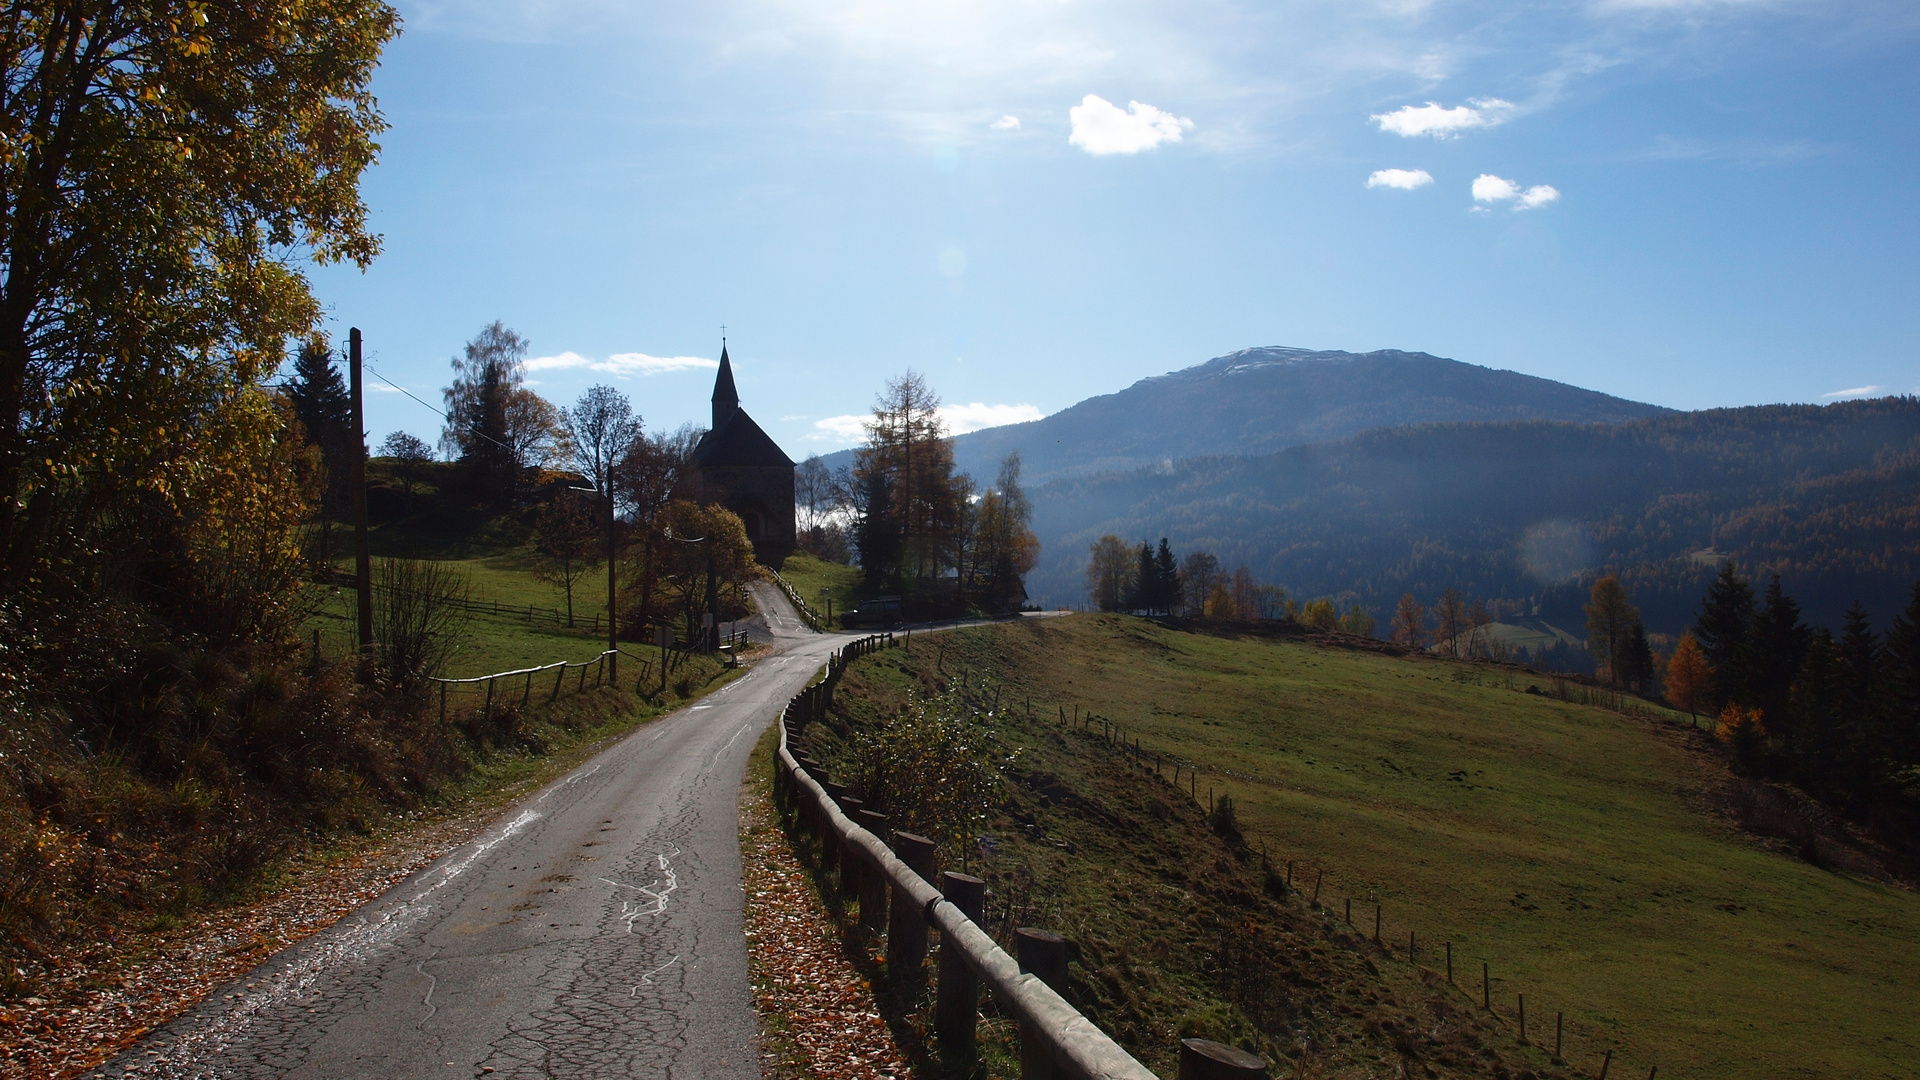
[
  {"x": 443, "y": 699},
  {"x": 1559, "y": 1025},
  {"x": 1486, "y": 988},
  {"x": 873, "y": 880},
  {"x": 907, "y": 927},
  {"x": 558, "y": 678},
  {"x": 958, "y": 1000},
  {"x": 1043, "y": 953},
  {"x": 487, "y": 711},
  {"x": 1523, "y": 1019},
  {"x": 527, "y": 694}
]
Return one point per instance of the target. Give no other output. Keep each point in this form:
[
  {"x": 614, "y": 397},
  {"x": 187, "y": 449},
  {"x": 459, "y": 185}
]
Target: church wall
[{"x": 761, "y": 492}]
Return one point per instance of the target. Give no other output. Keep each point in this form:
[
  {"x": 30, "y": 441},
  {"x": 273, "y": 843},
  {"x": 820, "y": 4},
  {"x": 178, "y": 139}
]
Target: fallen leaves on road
[
  {"x": 808, "y": 993},
  {"x": 104, "y": 997}
]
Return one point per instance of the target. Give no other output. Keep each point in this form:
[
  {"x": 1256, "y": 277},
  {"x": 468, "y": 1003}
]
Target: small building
[{"x": 740, "y": 467}]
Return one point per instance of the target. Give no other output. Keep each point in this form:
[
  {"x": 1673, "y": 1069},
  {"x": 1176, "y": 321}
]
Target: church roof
[
  {"x": 725, "y": 397},
  {"x": 734, "y": 438},
  {"x": 739, "y": 441}
]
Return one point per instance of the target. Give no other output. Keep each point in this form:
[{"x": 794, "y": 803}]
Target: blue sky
[{"x": 1036, "y": 201}]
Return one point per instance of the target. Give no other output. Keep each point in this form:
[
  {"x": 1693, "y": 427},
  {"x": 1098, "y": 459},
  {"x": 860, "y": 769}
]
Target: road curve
[{"x": 594, "y": 930}]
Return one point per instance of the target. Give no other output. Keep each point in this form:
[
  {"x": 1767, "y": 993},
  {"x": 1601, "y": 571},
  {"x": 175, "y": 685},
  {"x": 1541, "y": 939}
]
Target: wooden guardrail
[
  {"x": 1055, "y": 1039},
  {"x": 812, "y": 617}
]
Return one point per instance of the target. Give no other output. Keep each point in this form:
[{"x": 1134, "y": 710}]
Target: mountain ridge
[{"x": 1260, "y": 400}]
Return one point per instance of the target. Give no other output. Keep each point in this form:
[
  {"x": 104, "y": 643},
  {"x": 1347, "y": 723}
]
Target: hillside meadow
[{"x": 1578, "y": 852}]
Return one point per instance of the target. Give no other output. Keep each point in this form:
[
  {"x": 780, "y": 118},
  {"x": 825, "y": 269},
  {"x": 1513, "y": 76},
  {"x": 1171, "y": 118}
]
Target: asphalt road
[{"x": 593, "y": 931}]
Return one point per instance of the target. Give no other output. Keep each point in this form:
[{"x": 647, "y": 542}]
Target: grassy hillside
[
  {"x": 1179, "y": 930},
  {"x": 1577, "y": 851}
]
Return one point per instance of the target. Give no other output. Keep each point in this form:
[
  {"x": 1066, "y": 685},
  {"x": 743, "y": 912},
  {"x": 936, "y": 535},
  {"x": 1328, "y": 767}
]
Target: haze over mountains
[{"x": 1257, "y": 401}]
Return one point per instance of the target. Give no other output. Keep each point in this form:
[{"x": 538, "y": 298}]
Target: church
[{"x": 738, "y": 466}]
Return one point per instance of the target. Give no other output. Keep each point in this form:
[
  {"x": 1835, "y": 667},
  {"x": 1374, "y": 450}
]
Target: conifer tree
[
  {"x": 1778, "y": 645},
  {"x": 1689, "y": 678},
  {"x": 1899, "y": 734},
  {"x": 1724, "y": 630},
  {"x": 1166, "y": 578},
  {"x": 323, "y": 407}
]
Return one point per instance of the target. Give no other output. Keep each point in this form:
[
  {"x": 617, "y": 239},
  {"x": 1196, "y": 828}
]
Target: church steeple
[{"x": 725, "y": 397}]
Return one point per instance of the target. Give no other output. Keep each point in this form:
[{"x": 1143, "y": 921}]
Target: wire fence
[{"x": 1395, "y": 939}]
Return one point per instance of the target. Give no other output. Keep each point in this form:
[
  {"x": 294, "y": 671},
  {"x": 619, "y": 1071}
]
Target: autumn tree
[
  {"x": 1410, "y": 622},
  {"x": 1320, "y": 613},
  {"x": 165, "y": 171},
  {"x": 1689, "y": 679},
  {"x": 1199, "y": 574},
  {"x": 1356, "y": 621},
  {"x": 1612, "y": 621},
  {"x": 1246, "y": 594},
  {"x": 1109, "y": 573},
  {"x": 912, "y": 529},
  {"x": 1451, "y": 616},
  {"x": 1003, "y": 549}
]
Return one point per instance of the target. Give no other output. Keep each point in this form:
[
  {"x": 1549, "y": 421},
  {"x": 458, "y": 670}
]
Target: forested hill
[
  {"x": 1827, "y": 495},
  {"x": 1257, "y": 401}
]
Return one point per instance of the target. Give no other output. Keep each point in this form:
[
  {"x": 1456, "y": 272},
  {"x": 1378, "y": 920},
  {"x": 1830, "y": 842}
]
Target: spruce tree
[
  {"x": 1779, "y": 644},
  {"x": 1899, "y": 734},
  {"x": 1144, "y": 595},
  {"x": 325, "y": 409},
  {"x": 1724, "y": 630},
  {"x": 1166, "y": 578}
]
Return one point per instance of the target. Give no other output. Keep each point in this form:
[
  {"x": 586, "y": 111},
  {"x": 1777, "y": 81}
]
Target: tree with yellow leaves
[{"x": 1689, "y": 678}]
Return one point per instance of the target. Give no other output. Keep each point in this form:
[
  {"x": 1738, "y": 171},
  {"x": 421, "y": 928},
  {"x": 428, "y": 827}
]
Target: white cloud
[
  {"x": 1006, "y": 123},
  {"x": 379, "y": 387},
  {"x": 622, "y": 365},
  {"x": 961, "y": 419},
  {"x": 1433, "y": 119},
  {"x": 1404, "y": 179},
  {"x": 1858, "y": 391},
  {"x": 1537, "y": 195},
  {"x": 1488, "y": 188},
  {"x": 1101, "y": 127},
  {"x": 958, "y": 419}
]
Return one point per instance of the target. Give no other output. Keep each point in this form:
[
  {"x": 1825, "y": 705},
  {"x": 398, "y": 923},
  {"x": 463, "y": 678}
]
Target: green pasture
[
  {"x": 809, "y": 575},
  {"x": 1575, "y": 850}
]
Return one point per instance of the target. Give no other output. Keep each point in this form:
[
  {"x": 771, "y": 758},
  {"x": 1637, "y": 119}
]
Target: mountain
[
  {"x": 1258, "y": 401},
  {"x": 1826, "y": 496}
]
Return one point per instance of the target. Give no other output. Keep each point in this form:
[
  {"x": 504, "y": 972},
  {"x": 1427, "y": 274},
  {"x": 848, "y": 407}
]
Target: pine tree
[
  {"x": 325, "y": 409},
  {"x": 1899, "y": 734},
  {"x": 1724, "y": 630},
  {"x": 1779, "y": 643},
  {"x": 1166, "y": 578},
  {"x": 1144, "y": 593}
]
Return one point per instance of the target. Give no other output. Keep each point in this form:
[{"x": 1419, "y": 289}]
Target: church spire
[{"x": 725, "y": 397}]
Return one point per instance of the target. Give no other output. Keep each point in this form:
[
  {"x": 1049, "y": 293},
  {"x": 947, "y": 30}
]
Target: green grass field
[
  {"x": 1573, "y": 849},
  {"x": 810, "y": 575}
]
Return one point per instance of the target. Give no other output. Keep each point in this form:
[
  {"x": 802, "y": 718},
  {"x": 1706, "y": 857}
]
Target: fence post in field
[
  {"x": 583, "y": 680},
  {"x": 1559, "y": 1025},
  {"x": 1449, "y": 962},
  {"x": 1201, "y": 1059},
  {"x": 958, "y": 1000},
  {"x": 1318, "y": 876},
  {"x": 907, "y": 924},
  {"x": 486, "y": 711},
  {"x": 443, "y": 702},
  {"x": 558, "y": 678},
  {"x": 873, "y": 878},
  {"x": 527, "y": 694},
  {"x": 1376, "y": 924},
  {"x": 1523, "y": 1019},
  {"x": 1043, "y": 953},
  {"x": 1486, "y": 989},
  {"x": 1605, "y": 1064}
]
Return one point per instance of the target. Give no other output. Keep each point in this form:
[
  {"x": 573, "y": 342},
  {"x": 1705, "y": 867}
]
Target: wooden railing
[{"x": 1055, "y": 1039}]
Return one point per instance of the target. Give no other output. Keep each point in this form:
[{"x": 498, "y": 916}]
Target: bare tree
[
  {"x": 1109, "y": 572},
  {"x": 420, "y": 619},
  {"x": 1199, "y": 573},
  {"x": 600, "y": 429},
  {"x": 1451, "y": 614},
  {"x": 1410, "y": 622}
]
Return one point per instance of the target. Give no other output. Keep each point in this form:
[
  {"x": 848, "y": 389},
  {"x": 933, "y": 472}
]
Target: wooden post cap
[{"x": 1203, "y": 1059}]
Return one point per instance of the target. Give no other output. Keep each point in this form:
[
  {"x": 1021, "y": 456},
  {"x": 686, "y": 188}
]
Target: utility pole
[
  {"x": 362, "y": 559},
  {"x": 613, "y": 640}
]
